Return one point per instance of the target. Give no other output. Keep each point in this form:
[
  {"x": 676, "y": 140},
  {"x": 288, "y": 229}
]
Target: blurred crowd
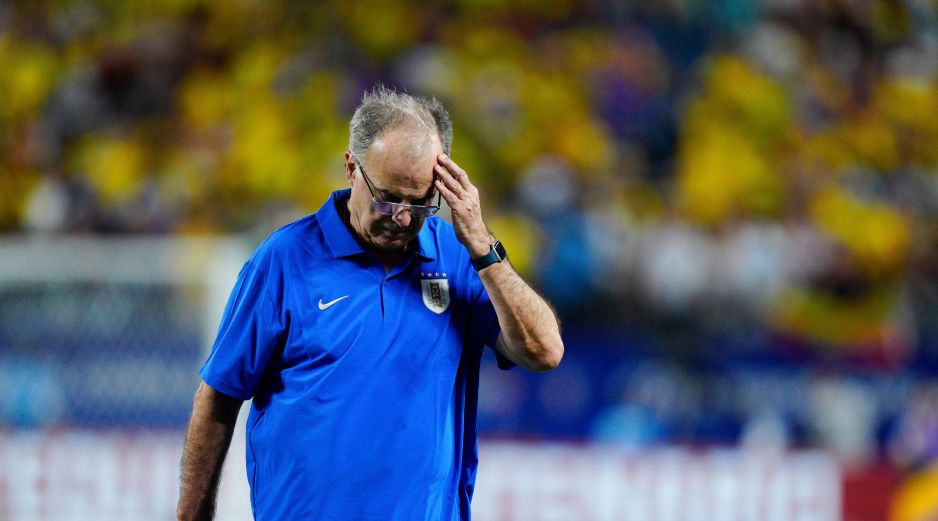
[{"x": 732, "y": 176}]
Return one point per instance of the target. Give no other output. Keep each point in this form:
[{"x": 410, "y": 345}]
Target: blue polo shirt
[{"x": 365, "y": 383}]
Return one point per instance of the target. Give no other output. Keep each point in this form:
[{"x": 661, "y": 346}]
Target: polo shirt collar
[
  {"x": 338, "y": 237},
  {"x": 343, "y": 244},
  {"x": 426, "y": 246}
]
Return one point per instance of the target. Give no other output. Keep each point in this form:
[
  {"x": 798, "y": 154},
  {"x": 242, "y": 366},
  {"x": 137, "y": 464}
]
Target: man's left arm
[{"x": 530, "y": 334}]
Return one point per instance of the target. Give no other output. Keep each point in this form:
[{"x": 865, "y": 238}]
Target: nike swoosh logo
[{"x": 329, "y": 304}]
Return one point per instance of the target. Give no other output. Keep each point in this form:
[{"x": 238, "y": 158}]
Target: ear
[{"x": 350, "y": 167}]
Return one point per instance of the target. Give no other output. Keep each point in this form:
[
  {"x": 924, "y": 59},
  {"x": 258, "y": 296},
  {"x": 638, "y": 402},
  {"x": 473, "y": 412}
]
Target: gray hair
[{"x": 385, "y": 108}]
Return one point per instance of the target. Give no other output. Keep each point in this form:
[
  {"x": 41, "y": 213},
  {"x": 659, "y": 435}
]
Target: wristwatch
[{"x": 496, "y": 253}]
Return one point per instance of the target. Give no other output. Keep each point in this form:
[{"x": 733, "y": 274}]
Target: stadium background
[{"x": 733, "y": 205}]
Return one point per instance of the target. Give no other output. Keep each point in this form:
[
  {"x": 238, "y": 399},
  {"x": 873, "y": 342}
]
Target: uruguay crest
[{"x": 435, "y": 292}]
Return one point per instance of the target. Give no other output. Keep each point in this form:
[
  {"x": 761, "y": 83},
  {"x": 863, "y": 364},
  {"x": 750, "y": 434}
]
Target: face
[{"x": 399, "y": 165}]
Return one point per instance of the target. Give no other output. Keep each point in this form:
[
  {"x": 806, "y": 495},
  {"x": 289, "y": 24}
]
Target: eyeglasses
[{"x": 389, "y": 208}]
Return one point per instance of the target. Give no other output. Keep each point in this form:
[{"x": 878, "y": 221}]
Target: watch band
[{"x": 496, "y": 253}]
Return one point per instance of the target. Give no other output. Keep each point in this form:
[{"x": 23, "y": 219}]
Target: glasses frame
[{"x": 393, "y": 209}]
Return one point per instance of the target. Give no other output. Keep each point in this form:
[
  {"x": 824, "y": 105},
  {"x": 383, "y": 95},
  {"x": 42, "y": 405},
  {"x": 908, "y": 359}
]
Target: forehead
[{"x": 400, "y": 161}]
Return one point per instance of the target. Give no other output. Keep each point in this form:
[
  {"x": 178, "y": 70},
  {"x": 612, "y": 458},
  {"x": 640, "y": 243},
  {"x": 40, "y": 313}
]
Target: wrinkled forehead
[{"x": 400, "y": 161}]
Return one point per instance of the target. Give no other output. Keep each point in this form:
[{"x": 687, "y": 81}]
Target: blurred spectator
[
  {"x": 914, "y": 444},
  {"x": 914, "y": 447}
]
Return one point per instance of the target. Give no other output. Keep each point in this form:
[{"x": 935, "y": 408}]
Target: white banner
[
  {"x": 563, "y": 482},
  {"x": 133, "y": 476}
]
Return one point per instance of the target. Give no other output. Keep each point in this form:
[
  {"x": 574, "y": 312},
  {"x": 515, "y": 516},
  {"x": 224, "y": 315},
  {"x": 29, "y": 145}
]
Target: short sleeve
[
  {"x": 249, "y": 334},
  {"x": 484, "y": 319}
]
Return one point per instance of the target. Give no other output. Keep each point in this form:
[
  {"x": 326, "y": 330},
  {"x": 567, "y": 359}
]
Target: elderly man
[{"x": 358, "y": 332}]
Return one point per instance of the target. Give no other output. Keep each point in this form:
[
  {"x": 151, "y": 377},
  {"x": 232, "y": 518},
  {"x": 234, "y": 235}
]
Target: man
[{"x": 358, "y": 332}]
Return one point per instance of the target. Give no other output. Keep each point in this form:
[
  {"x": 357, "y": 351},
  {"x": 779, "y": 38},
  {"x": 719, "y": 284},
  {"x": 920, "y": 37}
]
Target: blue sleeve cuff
[{"x": 220, "y": 385}]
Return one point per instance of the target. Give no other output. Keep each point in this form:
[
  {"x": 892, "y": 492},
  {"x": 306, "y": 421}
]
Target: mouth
[
  {"x": 395, "y": 235},
  {"x": 397, "y": 232}
]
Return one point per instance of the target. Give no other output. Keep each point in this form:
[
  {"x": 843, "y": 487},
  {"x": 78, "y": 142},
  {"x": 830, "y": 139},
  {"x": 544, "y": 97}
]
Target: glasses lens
[{"x": 384, "y": 207}]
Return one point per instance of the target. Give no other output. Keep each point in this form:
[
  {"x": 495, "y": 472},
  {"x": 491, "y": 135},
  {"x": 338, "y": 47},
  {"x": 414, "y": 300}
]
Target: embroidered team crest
[{"x": 435, "y": 292}]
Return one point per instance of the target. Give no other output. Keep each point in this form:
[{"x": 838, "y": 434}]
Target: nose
[{"x": 402, "y": 217}]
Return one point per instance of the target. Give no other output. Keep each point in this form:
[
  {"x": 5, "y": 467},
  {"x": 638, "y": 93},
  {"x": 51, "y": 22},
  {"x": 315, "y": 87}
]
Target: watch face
[{"x": 499, "y": 250}]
